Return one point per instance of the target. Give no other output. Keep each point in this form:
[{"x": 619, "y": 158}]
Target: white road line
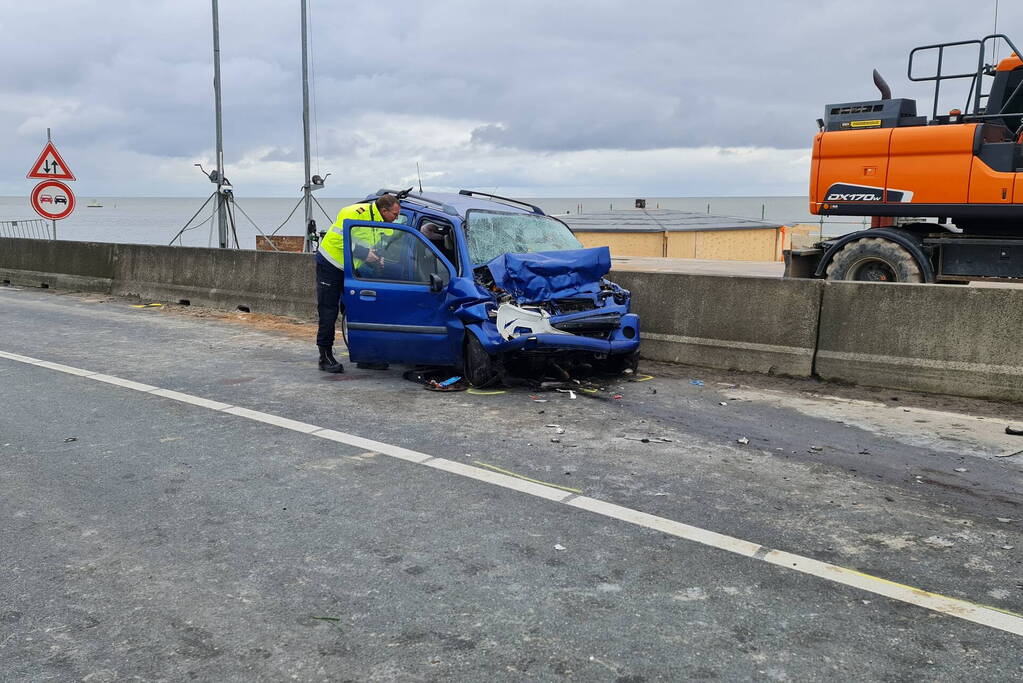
[
  {"x": 188, "y": 398},
  {"x": 962, "y": 609}
]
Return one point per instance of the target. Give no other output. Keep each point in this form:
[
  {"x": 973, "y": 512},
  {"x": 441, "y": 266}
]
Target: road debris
[
  {"x": 722, "y": 403},
  {"x": 939, "y": 542},
  {"x": 70, "y": 439},
  {"x": 558, "y": 546},
  {"x": 961, "y": 469},
  {"x": 648, "y": 439},
  {"x": 743, "y": 440},
  {"x": 697, "y": 382},
  {"x": 1014, "y": 431},
  {"x": 617, "y": 397},
  {"x": 1005, "y": 520},
  {"x": 571, "y": 394},
  {"x": 1008, "y": 547},
  {"x": 816, "y": 449},
  {"x": 450, "y": 384},
  {"x": 537, "y": 399}
]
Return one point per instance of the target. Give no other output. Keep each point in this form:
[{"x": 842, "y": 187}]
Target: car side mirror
[{"x": 436, "y": 282}]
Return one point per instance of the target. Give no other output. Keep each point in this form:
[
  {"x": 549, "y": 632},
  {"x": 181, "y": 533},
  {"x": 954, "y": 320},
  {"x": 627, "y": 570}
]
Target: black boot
[{"x": 327, "y": 361}]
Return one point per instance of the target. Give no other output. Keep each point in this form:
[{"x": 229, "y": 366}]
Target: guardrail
[{"x": 935, "y": 338}]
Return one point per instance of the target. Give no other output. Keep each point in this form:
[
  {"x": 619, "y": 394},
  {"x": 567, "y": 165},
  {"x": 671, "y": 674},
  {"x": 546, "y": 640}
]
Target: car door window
[
  {"x": 441, "y": 234},
  {"x": 404, "y": 257}
]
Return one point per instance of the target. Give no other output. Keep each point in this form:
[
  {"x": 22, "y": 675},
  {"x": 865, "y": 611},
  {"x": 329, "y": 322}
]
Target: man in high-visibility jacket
[{"x": 330, "y": 265}]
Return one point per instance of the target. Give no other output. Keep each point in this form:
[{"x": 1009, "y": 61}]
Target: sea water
[{"x": 157, "y": 220}]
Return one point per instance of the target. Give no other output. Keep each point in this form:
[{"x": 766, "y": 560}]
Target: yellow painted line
[
  {"x": 480, "y": 392},
  {"x": 524, "y": 478}
]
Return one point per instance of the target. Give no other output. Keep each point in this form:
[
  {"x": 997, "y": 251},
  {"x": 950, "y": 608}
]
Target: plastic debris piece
[
  {"x": 559, "y": 430},
  {"x": 742, "y": 440},
  {"x": 1008, "y": 547},
  {"x": 537, "y": 399},
  {"x": 558, "y": 546},
  {"x": 553, "y": 426},
  {"x": 722, "y": 403},
  {"x": 555, "y": 440},
  {"x": 1014, "y": 431},
  {"x": 571, "y": 394},
  {"x": 961, "y": 469},
  {"x": 617, "y": 397},
  {"x": 697, "y": 382},
  {"x": 70, "y": 439},
  {"x": 648, "y": 439},
  {"x": 1004, "y": 520}
]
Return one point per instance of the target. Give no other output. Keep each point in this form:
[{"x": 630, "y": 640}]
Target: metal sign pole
[
  {"x": 221, "y": 212},
  {"x": 49, "y": 139},
  {"x": 307, "y": 187}
]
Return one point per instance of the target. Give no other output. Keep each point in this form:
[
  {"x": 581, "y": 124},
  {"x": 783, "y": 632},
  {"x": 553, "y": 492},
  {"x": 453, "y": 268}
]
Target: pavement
[
  {"x": 184, "y": 496},
  {"x": 775, "y": 269}
]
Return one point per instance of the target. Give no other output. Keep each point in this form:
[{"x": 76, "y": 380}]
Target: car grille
[{"x": 593, "y": 326}]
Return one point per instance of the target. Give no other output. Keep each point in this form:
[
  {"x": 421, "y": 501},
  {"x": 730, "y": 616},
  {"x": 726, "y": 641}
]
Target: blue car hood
[{"x": 551, "y": 274}]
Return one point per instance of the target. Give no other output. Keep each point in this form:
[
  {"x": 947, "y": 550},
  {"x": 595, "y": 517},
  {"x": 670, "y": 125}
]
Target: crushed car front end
[{"x": 543, "y": 295}]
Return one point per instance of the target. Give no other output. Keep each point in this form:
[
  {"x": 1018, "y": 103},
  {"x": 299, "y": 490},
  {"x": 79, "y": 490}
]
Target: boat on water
[{"x": 94, "y": 204}]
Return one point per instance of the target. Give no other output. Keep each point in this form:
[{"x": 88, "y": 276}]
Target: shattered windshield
[{"x": 490, "y": 234}]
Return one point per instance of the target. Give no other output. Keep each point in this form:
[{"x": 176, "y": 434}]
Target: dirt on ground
[{"x": 264, "y": 322}]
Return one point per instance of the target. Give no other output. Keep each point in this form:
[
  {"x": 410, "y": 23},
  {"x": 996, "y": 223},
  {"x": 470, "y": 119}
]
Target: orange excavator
[{"x": 944, "y": 193}]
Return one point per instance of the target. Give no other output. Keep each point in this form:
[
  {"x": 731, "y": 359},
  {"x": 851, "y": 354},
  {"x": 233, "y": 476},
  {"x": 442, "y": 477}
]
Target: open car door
[{"x": 395, "y": 297}]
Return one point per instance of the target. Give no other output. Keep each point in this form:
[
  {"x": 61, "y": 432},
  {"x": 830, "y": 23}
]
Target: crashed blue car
[{"x": 488, "y": 285}]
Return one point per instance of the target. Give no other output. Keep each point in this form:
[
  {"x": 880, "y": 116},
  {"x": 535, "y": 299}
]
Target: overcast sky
[{"x": 558, "y": 99}]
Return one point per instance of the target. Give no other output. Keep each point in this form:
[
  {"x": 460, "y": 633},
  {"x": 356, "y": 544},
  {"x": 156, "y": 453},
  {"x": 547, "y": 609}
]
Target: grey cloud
[{"x": 538, "y": 76}]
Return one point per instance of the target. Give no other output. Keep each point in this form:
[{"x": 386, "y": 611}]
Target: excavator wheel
[{"x": 873, "y": 259}]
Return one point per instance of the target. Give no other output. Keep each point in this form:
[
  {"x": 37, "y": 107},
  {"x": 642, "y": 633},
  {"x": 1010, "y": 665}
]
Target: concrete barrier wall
[
  {"x": 936, "y": 338},
  {"x": 261, "y": 282},
  {"x": 85, "y": 266},
  {"x": 766, "y": 325},
  {"x": 946, "y": 339}
]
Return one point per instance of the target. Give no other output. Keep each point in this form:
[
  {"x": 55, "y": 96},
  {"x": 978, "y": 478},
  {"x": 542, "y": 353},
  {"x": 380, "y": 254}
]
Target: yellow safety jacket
[{"x": 364, "y": 237}]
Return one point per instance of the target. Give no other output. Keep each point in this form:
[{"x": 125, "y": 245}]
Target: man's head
[
  {"x": 432, "y": 231},
  {"x": 389, "y": 207}
]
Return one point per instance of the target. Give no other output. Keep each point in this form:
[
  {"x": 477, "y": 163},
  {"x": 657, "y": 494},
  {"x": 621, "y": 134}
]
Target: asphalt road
[{"x": 160, "y": 537}]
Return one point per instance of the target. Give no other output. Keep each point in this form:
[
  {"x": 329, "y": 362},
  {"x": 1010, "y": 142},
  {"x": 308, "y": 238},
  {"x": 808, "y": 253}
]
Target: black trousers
[{"x": 329, "y": 282}]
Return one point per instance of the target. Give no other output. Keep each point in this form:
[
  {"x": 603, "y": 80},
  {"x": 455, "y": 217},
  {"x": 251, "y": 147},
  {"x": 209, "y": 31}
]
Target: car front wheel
[{"x": 480, "y": 368}]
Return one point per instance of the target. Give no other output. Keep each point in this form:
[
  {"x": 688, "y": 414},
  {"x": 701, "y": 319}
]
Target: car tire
[
  {"x": 874, "y": 259},
  {"x": 479, "y": 367}
]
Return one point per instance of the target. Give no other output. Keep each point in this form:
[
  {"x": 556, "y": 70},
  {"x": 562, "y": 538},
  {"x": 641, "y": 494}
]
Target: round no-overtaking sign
[{"x": 53, "y": 200}]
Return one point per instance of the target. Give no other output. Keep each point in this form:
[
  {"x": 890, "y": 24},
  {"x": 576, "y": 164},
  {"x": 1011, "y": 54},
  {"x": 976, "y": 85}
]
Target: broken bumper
[{"x": 624, "y": 339}]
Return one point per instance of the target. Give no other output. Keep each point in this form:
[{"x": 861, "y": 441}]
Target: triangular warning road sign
[{"x": 50, "y": 165}]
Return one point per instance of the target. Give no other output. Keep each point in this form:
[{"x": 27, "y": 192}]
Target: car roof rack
[
  {"x": 474, "y": 193},
  {"x": 421, "y": 199}
]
